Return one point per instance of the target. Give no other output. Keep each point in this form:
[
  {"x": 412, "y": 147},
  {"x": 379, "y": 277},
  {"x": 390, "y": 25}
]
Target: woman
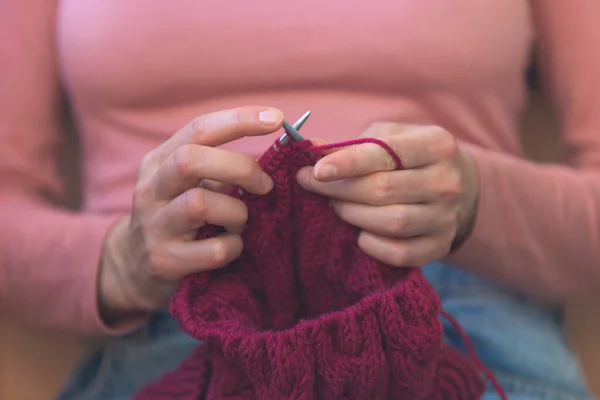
[{"x": 443, "y": 83}]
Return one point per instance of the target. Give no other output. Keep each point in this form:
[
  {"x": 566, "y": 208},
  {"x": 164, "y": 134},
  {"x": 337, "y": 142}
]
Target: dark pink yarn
[{"x": 305, "y": 314}]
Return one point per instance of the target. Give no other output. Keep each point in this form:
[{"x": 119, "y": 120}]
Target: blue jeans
[{"x": 520, "y": 341}]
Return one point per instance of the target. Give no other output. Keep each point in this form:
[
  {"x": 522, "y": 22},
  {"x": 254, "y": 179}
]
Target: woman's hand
[
  {"x": 181, "y": 187},
  {"x": 409, "y": 217}
]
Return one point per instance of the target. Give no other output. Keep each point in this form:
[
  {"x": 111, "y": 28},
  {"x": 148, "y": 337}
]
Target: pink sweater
[{"x": 136, "y": 71}]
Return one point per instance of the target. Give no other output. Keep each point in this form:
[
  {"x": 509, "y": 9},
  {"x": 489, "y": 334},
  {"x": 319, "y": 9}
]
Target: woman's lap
[
  {"x": 520, "y": 341},
  {"x": 124, "y": 364}
]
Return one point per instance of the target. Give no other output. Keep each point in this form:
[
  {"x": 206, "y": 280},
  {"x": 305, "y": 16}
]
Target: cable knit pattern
[{"x": 305, "y": 314}]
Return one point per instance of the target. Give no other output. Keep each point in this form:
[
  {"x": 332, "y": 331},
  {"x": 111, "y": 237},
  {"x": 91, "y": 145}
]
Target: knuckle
[
  {"x": 193, "y": 203},
  {"x": 397, "y": 221},
  {"x": 197, "y": 126},
  {"x": 159, "y": 263},
  {"x": 244, "y": 117},
  {"x": 241, "y": 117},
  {"x": 184, "y": 158},
  {"x": 151, "y": 225},
  {"x": 383, "y": 187},
  {"x": 142, "y": 193}
]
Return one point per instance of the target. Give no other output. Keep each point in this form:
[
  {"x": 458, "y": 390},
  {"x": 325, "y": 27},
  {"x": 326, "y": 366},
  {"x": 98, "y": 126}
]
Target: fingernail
[
  {"x": 219, "y": 252},
  {"x": 303, "y": 177},
  {"x": 325, "y": 171},
  {"x": 270, "y": 117},
  {"x": 267, "y": 182}
]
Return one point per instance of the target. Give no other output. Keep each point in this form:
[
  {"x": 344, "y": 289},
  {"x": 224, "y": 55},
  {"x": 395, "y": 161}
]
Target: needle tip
[
  {"x": 302, "y": 120},
  {"x": 293, "y": 130}
]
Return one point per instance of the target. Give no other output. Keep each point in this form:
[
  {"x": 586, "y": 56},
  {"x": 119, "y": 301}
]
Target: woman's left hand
[{"x": 408, "y": 217}]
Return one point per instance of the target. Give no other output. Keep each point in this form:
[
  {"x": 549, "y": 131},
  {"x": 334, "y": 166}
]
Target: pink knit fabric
[{"x": 305, "y": 314}]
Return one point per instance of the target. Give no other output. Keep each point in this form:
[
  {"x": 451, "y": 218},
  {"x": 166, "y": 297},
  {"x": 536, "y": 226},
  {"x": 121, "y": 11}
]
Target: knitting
[{"x": 305, "y": 314}]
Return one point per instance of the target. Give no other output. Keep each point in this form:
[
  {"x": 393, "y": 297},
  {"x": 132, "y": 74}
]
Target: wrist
[
  {"x": 112, "y": 298},
  {"x": 468, "y": 214}
]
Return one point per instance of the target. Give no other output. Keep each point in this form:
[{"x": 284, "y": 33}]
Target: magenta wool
[{"x": 305, "y": 314}]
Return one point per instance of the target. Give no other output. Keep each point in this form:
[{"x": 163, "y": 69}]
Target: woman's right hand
[{"x": 181, "y": 187}]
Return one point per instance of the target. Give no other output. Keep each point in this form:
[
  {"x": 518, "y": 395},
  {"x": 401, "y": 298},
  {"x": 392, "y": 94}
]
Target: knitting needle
[
  {"x": 292, "y": 130},
  {"x": 285, "y": 138}
]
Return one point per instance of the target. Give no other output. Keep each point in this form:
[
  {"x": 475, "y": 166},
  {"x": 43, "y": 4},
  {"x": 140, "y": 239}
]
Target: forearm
[
  {"x": 537, "y": 227},
  {"x": 49, "y": 263}
]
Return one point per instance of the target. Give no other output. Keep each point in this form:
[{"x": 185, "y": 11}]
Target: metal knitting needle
[{"x": 292, "y": 130}]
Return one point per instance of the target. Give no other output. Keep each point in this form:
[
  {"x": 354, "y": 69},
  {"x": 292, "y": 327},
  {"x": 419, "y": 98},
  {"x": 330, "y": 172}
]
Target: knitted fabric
[{"x": 305, "y": 314}]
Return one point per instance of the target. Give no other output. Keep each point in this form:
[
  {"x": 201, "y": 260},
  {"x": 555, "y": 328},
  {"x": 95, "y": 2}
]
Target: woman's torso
[{"x": 136, "y": 71}]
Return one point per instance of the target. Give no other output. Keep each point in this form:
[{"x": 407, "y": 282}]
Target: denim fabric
[
  {"x": 520, "y": 341},
  {"x": 122, "y": 365}
]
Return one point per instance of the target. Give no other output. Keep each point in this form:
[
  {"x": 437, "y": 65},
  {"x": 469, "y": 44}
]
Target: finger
[
  {"x": 190, "y": 164},
  {"x": 316, "y": 142},
  {"x": 224, "y": 126},
  {"x": 378, "y": 189},
  {"x": 409, "y": 252},
  {"x": 196, "y": 207},
  {"x": 394, "y": 220},
  {"x": 178, "y": 259},
  {"x": 215, "y": 186},
  {"x": 416, "y": 146}
]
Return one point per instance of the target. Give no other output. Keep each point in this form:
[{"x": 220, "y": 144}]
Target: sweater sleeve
[
  {"x": 538, "y": 226},
  {"x": 49, "y": 257}
]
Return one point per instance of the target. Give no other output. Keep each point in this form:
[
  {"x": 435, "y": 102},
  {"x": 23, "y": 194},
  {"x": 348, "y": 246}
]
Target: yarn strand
[{"x": 473, "y": 355}]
